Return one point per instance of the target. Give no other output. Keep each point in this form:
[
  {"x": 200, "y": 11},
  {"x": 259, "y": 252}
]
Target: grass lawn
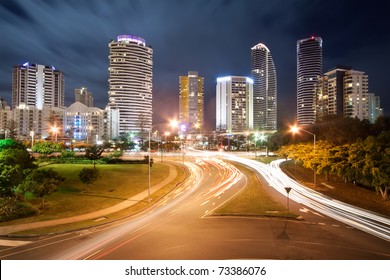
[
  {"x": 140, "y": 206},
  {"x": 118, "y": 182},
  {"x": 253, "y": 200}
]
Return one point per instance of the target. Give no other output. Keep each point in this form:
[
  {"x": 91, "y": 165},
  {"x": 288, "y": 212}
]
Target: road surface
[{"x": 181, "y": 227}]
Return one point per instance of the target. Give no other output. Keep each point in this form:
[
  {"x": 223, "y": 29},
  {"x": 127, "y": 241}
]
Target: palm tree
[{"x": 94, "y": 153}]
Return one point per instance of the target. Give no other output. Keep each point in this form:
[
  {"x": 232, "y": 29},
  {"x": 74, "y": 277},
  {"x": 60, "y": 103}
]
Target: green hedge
[{"x": 103, "y": 160}]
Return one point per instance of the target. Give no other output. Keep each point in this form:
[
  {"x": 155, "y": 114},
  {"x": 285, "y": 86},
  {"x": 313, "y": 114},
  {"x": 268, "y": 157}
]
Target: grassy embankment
[
  {"x": 117, "y": 183},
  {"x": 253, "y": 200}
]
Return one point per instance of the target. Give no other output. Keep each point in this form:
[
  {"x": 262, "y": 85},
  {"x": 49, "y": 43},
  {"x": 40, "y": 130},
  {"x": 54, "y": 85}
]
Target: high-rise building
[
  {"x": 374, "y": 107},
  {"x": 343, "y": 91},
  {"x": 309, "y": 70},
  {"x": 330, "y": 92},
  {"x": 191, "y": 101},
  {"x": 356, "y": 95},
  {"x": 130, "y": 82},
  {"x": 84, "y": 96},
  {"x": 37, "y": 85},
  {"x": 3, "y": 103},
  {"x": 264, "y": 89},
  {"x": 234, "y": 104},
  {"x": 5, "y": 117}
]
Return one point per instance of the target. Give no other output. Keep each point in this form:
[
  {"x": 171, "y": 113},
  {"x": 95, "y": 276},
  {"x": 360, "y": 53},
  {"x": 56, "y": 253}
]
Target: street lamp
[
  {"x": 288, "y": 189},
  {"x": 296, "y": 129},
  {"x": 183, "y": 130},
  {"x": 167, "y": 133},
  {"x": 172, "y": 123},
  {"x": 54, "y": 129},
  {"x": 32, "y": 139},
  {"x": 246, "y": 140}
]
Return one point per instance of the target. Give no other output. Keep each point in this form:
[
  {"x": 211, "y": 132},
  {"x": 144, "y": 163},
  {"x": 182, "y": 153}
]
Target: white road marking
[
  {"x": 13, "y": 243},
  {"x": 204, "y": 202}
]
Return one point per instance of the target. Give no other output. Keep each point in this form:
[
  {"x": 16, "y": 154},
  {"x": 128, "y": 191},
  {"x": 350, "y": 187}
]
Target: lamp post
[
  {"x": 296, "y": 129},
  {"x": 54, "y": 129},
  {"x": 166, "y": 140},
  {"x": 246, "y": 141},
  {"x": 183, "y": 129},
  {"x": 256, "y": 136},
  {"x": 172, "y": 123},
  {"x": 288, "y": 189},
  {"x": 262, "y": 139},
  {"x": 32, "y": 139}
]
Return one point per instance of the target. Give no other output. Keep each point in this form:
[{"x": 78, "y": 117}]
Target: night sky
[{"x": 213, "y": 37}]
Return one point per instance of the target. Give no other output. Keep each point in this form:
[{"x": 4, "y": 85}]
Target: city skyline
[{"x": 73, "y": 36}]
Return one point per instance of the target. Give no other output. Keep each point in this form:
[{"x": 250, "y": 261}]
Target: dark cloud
[
  {"x": 212, "y": 37},
  {"x": 12, "y": 10}
]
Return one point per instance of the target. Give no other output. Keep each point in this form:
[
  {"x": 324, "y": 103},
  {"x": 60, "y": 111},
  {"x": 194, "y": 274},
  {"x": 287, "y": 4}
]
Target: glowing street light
[
  {"x": 294, "y": 129},
  {"x": 54, "y": 129}
]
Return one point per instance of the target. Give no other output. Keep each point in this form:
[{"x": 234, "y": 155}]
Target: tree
[
  {"x": 377, "y": 163},
  {"x": 323, "y": 159},
  {"x": 12, "y": 127},
  {"x": 42, "y": 182},
  {"x": 10, "y": 178},
  {"x": 89, "y": 175},
  {"x": 14, "y": 162},
  {"x": 94, "y": 153},
  {"x": 11, "y": 144},
  {"x": 381, "y": 124},
  {"x": 16, "y": 157}
]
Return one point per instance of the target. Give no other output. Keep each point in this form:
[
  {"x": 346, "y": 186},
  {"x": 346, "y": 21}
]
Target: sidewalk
[{"x": 93, "y": 215}]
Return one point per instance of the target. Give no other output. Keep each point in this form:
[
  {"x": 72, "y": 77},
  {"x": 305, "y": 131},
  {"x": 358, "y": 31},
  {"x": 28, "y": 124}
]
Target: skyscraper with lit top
[
  {"x": 131, "y": 82},
  {"x": 37, "y": 86}
]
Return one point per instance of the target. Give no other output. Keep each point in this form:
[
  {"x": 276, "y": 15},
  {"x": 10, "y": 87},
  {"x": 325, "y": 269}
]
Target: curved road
[{"x": 180, "y": 227}]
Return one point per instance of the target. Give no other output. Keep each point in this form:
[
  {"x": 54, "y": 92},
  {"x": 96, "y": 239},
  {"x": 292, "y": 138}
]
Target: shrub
[
  {"x": 89, "y": 175},
  {"x": 117, "y": 154},
  {"x": 67, "y": 154},
  {"x": 12, "y": 209}
]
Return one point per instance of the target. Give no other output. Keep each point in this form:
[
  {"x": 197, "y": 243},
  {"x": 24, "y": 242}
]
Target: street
[{"x": 181, "y": 227}]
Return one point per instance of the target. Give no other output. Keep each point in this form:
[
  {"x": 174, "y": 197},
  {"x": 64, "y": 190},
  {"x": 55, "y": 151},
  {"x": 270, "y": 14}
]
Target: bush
[
  {"x": 117, "y": 154},
  {"x": 67, "y": 154},
  {"x": 12, "y": 209},
  {"x": 89, "y": 175}
]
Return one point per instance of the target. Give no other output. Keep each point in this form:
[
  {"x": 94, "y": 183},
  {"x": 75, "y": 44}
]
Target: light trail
[
  {"x": 226, "y": 175},
  {"x": 356, "y": 217}
]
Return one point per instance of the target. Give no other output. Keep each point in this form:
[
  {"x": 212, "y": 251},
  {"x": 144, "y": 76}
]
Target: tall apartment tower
[
  {"x": 309, "y": 70},
  {"x": 264, "y": 89},
  {"x": 356, "y": 95},
  {"x": 191, "y": 101},
  {"x": 330, "y": 92},
  {"x": 84, "y": 96},
  {"x": 130, "y": 83},
  {"x": 38, "y": 86},
  {"x": 234, "y": 104},
  {"x": 343, "y": 91},
  {"x": 374, "y": 104}
]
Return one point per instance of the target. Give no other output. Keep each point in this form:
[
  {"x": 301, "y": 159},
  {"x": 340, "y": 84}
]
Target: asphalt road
[{"x": 180, "y": 227}]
